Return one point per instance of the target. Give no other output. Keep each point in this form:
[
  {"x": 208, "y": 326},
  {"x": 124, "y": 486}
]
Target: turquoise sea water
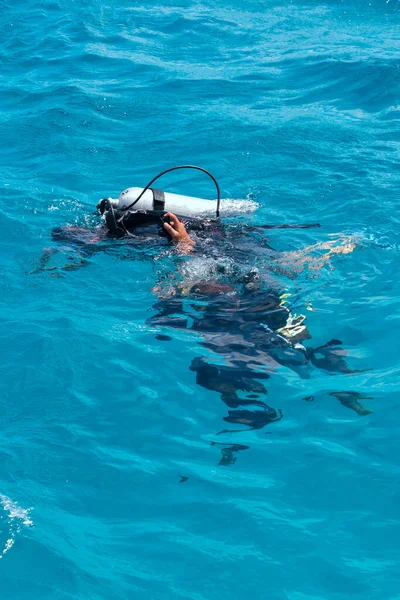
[{"x": 296, "y": 105}]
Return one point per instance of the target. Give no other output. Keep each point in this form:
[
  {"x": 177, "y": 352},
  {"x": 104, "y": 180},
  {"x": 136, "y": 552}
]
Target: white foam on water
[
  {"x": 16, "y": 518},
  {"x": 231, "y": 206}
]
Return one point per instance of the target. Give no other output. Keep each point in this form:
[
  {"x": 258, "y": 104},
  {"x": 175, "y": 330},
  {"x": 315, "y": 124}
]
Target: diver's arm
[
  {"x": 178, "y": 233},
  {"x": 314, "y": 257}
]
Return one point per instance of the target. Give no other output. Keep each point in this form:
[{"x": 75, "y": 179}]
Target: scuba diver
[{"x": 240, "y": 313}]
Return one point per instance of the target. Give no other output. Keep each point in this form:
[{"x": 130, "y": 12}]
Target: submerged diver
[{"x": 251, "y": 328}]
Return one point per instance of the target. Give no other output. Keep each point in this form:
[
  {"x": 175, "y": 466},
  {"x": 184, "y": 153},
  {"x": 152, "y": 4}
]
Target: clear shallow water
[{"x": 294, "y": 105}]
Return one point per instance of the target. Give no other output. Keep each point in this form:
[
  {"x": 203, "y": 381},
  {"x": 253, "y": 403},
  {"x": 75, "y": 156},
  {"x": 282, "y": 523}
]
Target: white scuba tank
[{"x": 154, "y": 199}]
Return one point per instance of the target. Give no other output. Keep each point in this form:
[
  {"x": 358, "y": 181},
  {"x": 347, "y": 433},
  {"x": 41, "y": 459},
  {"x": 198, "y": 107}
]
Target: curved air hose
[{"x": 175, "y": 169}]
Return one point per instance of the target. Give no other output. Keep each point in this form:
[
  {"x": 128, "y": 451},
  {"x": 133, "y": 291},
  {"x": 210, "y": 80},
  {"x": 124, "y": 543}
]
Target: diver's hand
[{"x": 177, "y": 231}]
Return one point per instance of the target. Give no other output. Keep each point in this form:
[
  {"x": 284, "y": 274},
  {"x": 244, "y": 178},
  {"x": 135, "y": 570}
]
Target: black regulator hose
[{"x": 175, "y": 169}]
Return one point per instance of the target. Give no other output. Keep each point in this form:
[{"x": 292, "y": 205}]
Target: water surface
[{"x": 294, "y": 105}]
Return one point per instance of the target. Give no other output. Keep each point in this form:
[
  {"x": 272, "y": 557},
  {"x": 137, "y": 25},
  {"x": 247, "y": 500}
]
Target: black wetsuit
[{"x": 243, "y": 326}]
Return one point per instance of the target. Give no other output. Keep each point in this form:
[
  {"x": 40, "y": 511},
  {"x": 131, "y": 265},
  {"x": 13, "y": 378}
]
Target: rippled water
[{"x": 295, "y": 105}]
